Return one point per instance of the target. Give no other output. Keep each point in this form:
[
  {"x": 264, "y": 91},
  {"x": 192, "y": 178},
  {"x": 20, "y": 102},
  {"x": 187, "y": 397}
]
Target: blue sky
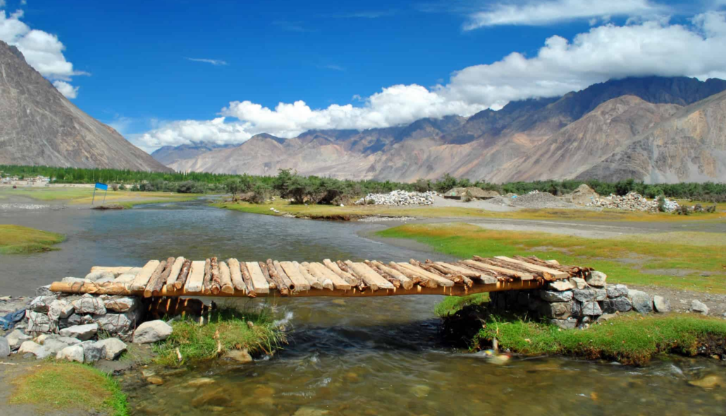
[{"x": 132, "y": 60}]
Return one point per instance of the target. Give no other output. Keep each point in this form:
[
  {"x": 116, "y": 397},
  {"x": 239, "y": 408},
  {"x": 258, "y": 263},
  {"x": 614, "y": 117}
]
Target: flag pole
[
  {"x": 104, "y": 197},
  {"x": 94, "y": 195}
]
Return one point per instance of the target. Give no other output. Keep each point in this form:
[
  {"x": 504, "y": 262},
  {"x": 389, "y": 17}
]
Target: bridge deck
[{"x": 182, "y": 277}]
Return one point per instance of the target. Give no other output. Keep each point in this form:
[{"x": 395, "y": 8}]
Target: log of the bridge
[
  {"x": 282, "y": 287},
  {"x": 283, "y": 275},
  {"x": 149, "y": 289},
  {"x": 312, "y": 281},
  {"x": 572, "y": 271},
  {"x": 526, "y": 273},
  {"x": 121, "y": 289},
  {"x": 467, "y": 272},
  {"x": 206, "y": 282},
  {"x": 488, "y": 277},
  {"x": 141, "y": 279},
  {"x": 327, "y": 283},
  {"x": 438, "y": 279},
  {"x": 225, "y": 278},
  {"x": 372, "y": 279},
  {"x": 175, "y": 270},
  {"x": 258, "y": 280},
  {"x": 506, "y": 272},
  {"x": 293, "y": 272},
  {"x": 457, "y": 276},
  {"x": 266, "y": 274},
  {"x": 163, "y": 278},
  {"x": 195, "y": 281},
  {"x": 247, "y": 277},
  {"x": 350, "y": 276},
  {"x": 115, "y": 270},
  {"x": 395, "y": 282},
  {"x": 406, "y": 282},
  {"x": 416, "y": 277},
  {"x": 319, "y": 270},
  {"x": 547, "y": 273},
  {"x": 335, "y": 268},
  {"x": 183, "y": 275},
  {"x": 235, "y": 275},
  {"x": 215, "y": 285},
  {"x": 454, "y": 277}
]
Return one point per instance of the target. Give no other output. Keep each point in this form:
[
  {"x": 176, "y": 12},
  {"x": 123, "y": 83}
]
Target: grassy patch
[
  {"x": 227, "y": 329},
  {"x": 452, "y": 304},
  {"x": 332, "y": 211},
  {"x": 16, "y": 239},
  {"x": 630, "y": 339},
  {"x": 635, "y": 260},
  {"x": 85, "y": 195},
  {"x": 65, "y": 386}
]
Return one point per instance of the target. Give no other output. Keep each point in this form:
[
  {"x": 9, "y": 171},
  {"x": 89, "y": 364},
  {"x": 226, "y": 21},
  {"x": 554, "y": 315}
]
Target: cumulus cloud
[
  {"x": 43, "y": 51},
  {"x": 609, "y": 51},
  {"x": 544, "y": 13},
  {"x": 68, "y": 90},
  {"x": 215, "y": 62}
]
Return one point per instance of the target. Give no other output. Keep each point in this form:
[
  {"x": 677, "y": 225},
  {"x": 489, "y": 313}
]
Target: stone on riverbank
[
  {"x": 121, "y": 303},
  {"x": 554, "y": 296},
  {"x": 240, "y": 356},
  {"x": 699, "y": 307},
  {"x": 41, "y": 304},
  {"x": 114, "y": 348},
  {"x": 596, "y": 279},
  {"x": 82, "y": 332},
  {"x": 621, "y": 304},
  {"x": 89, "y": 304},
  {"x": 71, "y": 353},
  {"x": 661, "y": 304},
  {"x": 16, "y": 338},
  {"x": 38, "y": 322},
  {"x": 617, "y": 291},
  {"x": 60, "y": 309},
  {"x": 152, "y": 331},
  {"x": 642, "y": 303},
  {"x": 4, "y": 347},
  {"x": 30, "y": 347},
  {"x": 93, "y": 351}
]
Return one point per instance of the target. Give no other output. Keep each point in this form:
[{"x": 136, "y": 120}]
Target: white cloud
[
  {"x": 649, "y": 48},
  {"x": 544, "y": 13},
  {"x": 43, "y": 51},
  {"x": 215, "y": 62},
  {"x": 68, "y": 90}
]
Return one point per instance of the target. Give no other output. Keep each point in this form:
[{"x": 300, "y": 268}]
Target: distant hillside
[
  {"x": 170, "y": 154},
  {"x": 39, "y": 126},
  {"x": 547, "y": 138}
]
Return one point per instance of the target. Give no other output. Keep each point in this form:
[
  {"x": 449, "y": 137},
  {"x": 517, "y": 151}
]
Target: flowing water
[{"x": 346, "y": 356}]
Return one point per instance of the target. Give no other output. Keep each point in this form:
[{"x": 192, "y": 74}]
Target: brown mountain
[
  {"x": 551, "y": 138},
  {"x": 41, "y": 127}
]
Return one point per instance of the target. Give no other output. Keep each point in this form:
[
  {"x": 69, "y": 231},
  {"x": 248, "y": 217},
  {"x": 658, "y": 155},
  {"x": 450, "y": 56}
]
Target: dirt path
[{"x": 680, "y": 300}]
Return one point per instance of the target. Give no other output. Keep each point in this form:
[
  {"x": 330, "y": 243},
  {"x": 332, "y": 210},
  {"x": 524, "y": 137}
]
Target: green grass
[
  {"x": 452, "y": 304},
  {"x": 70, "y": 386},
  {"x": 227, "y": 329},
  {"x": 630, "y": 339},
  {"x": 631, "y": 260},
  {"x": 16, "y": 239},
  {"x": 84, "y": 195},
  {"x": 353, "y": 211}
]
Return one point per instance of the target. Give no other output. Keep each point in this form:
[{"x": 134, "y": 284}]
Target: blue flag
[{"x": 101, "y": 186}]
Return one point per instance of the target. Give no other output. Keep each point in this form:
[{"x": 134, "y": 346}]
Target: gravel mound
[
  {"x": 398, "y": 198},
  {"x": 540, "y": 200}
]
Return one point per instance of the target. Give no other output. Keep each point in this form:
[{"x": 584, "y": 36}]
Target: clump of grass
[
  {"x": 63, "y": 386},
  {"x": 227, "y": 329},
  {"x": 452, "y": 304},
  {"x": 630, "y": 339},
  {"x": 16, "y": 239}
]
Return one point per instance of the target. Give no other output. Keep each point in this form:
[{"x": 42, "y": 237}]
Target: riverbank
[
  {"x": 84, "y": 196},
  {"x": 16, "y": 239}
]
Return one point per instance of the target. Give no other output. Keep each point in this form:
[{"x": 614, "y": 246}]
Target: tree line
[{"x": 288, "y": 184}]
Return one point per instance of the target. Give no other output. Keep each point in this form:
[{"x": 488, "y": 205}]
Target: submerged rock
[
  {"x": 709, "y": 382},
  {"x": 202, "y": 381},
  {"x": 213, "y": 398}
]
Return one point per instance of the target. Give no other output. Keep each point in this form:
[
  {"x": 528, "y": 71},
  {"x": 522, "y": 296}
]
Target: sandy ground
[{"x": 485, "y": 205}]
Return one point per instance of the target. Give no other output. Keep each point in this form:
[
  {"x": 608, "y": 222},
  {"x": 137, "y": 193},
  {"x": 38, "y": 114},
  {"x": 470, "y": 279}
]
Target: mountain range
[
  {"x": 39, "y": 126},
  {"x": 655, "y": 129}
]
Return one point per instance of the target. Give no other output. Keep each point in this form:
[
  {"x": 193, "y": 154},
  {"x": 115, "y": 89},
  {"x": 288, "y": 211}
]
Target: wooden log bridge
[{"x": 232, "y": 278}]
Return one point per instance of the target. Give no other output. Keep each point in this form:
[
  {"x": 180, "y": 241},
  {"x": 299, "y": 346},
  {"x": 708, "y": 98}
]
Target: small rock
[
  {"x": 699, "y": 307},
  {"x": 616, "y": 291},
  {"x": 53, "y": 345},
  {"x": 71, "y": 353},
  {"x": 642, "y": 303},
  {"x": 114, "y": 348},
  {"x": 597, "y": 279},
  {"x": 560, "y": 310},
  {"x": 600, "y": 294},
  {"x": 93, "y": 351},
  {"x": 156, "y": 380},
  {"x": 119, "y": 323},
  {"x": 38, "y": 322},
  {"x": 44, "y": 291},
  {"x": 16, "y": 338},
  {"x": 121, "y": 304},
  {"x": 89, "y": 304},
  {"x": 591, "y": 309},
  {"x": 709, "y": 382},
  {"x": 617, "y": 305},
  {"x": 561, "y": 285},
  {"x": 661, "y": 304},
  {"x": 82, "y": 332},
  {"x": 240, "y": 356},
  {"x": 41, "y": 304},
  {"x": 569, "y": 323},
  {"x": 555, "y": 296},
  {"x": 60, "y": 309},
  {"x": 579, "y": 283},
  {"x": 606, "y": 317},
  {"x": 30, "y": 347},
  {"x": 152, "y": 331},
  {"x": 4, "y": 347},
  {"x": 584, "y": 295},
  {"x": 202, "y": 381}
]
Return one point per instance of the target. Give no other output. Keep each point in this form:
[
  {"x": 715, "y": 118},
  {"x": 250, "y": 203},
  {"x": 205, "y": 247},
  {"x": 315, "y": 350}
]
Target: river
[{"x": 346, "y": 356}]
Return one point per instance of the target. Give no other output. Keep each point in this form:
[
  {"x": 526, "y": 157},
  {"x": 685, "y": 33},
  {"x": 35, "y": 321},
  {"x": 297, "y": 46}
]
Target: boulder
[
  {"x": 121, "y": 303},
  {"x": 560, "y": 285},
  {"x": 699, "y": 307},
  {"x": 53, "y": 345},
  {"x": 555, "y": 296},
  {"x": 15, "y": 338},
  {"x": 38, "y": 322},
  {"x": 30, "y": 347},
  {"x": 642, "y": 302},
  {"x": 617, "y": 305},
  {"x": 119, "y": 323},
  {"x": 60, "y": 309},
  {"x": 616, "y": 291},
  {"x": 584, "y": 295},
  {"x": 4, "y": 347},
  {"x": 596, "y": 279},
  {"x": 82, "y": 332},
  {"x": 90, "y": 304},
  {"x": 661, "y": 304},
  {"x": 579, "y": 283},
  {"x": 41, "y": 304},
  {"x": 114, "y": 348},
  {"x": 71, "y": 353},
  {"x": 152, "y": 331},
  {"x": 559, "y": 310},
  {"x": 600, "y": 295},
  {"x": 93, "y": 351},
  {"x": 569, "y": 323},
  {"x": 591, "y": 309}
]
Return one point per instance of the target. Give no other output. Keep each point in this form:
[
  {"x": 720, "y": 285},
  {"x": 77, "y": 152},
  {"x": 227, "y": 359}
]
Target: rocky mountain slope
[
  {"x": 39, "y": 126},
  {"x": 170, "y": 154},
  {"x": 549, "y": 138}
]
